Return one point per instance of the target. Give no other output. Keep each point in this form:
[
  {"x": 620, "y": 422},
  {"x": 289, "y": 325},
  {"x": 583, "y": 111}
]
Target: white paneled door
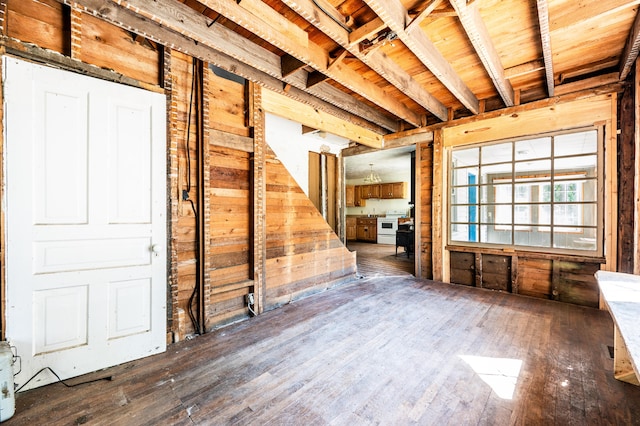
[{"x": 85, "y": 183}]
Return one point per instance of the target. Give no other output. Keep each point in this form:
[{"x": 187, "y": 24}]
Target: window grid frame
[{"x": 597, "y": 202}]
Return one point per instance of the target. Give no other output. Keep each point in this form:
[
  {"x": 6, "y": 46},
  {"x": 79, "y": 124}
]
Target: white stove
[{"x": 388, "y": 225}]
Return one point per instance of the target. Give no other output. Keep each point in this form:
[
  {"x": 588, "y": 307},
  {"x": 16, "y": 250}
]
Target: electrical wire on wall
[{"x": 196, "y": 90}]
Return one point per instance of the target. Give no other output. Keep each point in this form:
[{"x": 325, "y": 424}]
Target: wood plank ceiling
[{"x": 392, "y": 65}]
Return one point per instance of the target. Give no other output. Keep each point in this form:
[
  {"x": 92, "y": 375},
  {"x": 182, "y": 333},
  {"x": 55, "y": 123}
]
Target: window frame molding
[{"x": 600, "y": 227}]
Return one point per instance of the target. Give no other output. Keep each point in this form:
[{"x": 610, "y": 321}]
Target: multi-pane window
[{"x": 537, "y": 193}]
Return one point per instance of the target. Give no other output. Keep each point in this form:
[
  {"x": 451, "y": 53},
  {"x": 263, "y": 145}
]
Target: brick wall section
[
  {"x": 172, "y": 196},
  {"x": 76, "y": 34},
  {"x": 205, "y": 209}
]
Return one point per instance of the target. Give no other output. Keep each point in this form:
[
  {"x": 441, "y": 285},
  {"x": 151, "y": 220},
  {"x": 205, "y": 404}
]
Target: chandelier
[{"x": 372, "y": 177}]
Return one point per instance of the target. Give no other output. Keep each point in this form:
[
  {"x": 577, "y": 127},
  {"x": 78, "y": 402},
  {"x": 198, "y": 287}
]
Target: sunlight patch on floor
[{"x": 501, "y": 374}]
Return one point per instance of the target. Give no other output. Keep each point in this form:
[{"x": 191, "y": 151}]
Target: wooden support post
[
  {"x": 515, "y": 287},
  {"x": 439, "y": 218},
  {"x": 636, "y": 169},
  {"x": 478, "y": 269},
  {"x": 259, "y": 197},
  {"x": 611, "y": 187},
  {"x": 622, "y": 366},
  {"x": 341, "y": 211}
]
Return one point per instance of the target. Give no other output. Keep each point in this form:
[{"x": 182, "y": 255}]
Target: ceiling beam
[
  {"x": 478, "y": 34},
  {"x": 265, "y": 22},
  {"x": 545, "y": 39},
  {"x": 524, "y": 69},
  {"x": 286, "y": 107},
  {"x": 415, "y": 22},
  {"x": 214, "y": 44},
  {"x": 396, "y": 17},
  {"x": 376, "y": 60},
  {"x": 631, "y": 48},
  {"x": 367, "y": 30}
]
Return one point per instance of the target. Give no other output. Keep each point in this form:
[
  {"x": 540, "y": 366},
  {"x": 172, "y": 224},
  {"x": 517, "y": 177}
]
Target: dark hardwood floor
[
  {"x": 384, "y": 350},
  {"x": 376, "y": 260}
]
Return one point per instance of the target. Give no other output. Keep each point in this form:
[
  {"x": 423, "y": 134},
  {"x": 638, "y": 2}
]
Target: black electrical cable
[
  {"x": 60, "y": 380},
  {"x": 196, "y": 287}
]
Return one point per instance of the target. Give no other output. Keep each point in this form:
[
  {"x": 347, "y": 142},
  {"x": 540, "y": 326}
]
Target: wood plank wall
[
  {"x": 304, "y": 255},
  {"x": 558, "y": 279},
  {"x": 550, "y": 276},
  {"x": 230, "y": 203},
  {"x": 626, "y": 177},
  {"x": 425, "y": 155}
]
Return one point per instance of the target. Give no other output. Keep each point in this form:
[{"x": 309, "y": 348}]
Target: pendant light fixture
[{"x": 372, "y": 177}]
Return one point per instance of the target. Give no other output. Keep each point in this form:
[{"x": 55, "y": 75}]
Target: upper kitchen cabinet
[
  {"x": 370, "y": 191},
  {"x": 393, "y": 190}
]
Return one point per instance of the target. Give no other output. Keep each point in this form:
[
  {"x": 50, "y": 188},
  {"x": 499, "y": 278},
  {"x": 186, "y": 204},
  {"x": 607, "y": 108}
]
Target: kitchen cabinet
[
  {"x": 367, "y": 229},
  {"x": 351, "y": 226},
  {"x": 393, "y": 190},
  {"x": 357, "y": 197},
  {"x": 349, "y": 195},
  {"x": 370, "y": 191}
]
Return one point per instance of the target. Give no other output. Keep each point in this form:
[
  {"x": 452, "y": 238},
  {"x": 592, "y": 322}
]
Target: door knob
[{"x": 155, "y": 249}]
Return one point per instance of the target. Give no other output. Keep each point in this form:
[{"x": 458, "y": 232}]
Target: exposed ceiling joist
[
  {"x": 286, "y": 107},
  {"x": 396, "y": 16},
  {"x": 415, "y": 22},
  {"x": 263, "y": 21},
  {"x": 523, "y": 69},
  {"x": 479, "y": 36},
  {"x": 366, "y": 31},
  {"x": 215, "y": 44},
  {"x": 377, "y": 61},
  {"x": 631, "y": 48},
  {"x": 188, "y": 22},
  {"x": 545, "y": 39}
]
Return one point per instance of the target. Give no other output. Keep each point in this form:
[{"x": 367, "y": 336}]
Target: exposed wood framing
[
  {"x": 545, "y": 39},
  {"x": 611, "y": 186},
  {"x": 590, "y": 68},
  {"x": 259, "y": 201},
  {"x": 227, "y": 50},
  {"x": 396, "y": 17},
  {"x": 376, "y": 60},
  {"x": 631, "y": 48},
  {"x": 476, "y": 29},
  {"x": 415, "y": 22},
  {"x": 636, "y": 170},
  {"x": 262, "y": 21},
  {"x": 230, "y": 140},
  {"x": 584, "y": 112},
  {"x": 439, "y": 215},
  {"x": 367, "y": 30},
  {"x": 283, "y": 106},
  {"x": 289, "y": 64},
  {"x": 626, "y": 177},
  {"x": 523, "y": 69}
]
